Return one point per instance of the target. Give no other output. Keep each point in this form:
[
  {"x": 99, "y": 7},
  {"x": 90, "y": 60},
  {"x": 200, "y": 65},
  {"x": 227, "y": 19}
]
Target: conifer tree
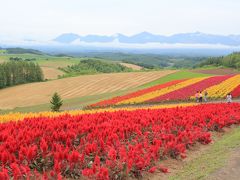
[{"x": 56, "y": 102}]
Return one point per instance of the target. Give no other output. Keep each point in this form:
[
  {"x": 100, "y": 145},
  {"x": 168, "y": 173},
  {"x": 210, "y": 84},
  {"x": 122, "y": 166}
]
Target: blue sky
[{"x": 48, "y": 18}]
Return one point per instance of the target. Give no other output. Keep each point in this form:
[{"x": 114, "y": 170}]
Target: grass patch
[
  {"x": 211, "y": 160},
  {"x": 207, "y": 67},
  {"x": 174, "y": 76},
  {"x": 69, "y": 104}
]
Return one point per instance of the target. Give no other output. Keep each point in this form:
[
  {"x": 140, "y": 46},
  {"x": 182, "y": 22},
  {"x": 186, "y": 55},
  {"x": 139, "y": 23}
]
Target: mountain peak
[
  {"x": 147, "y": 37},
  {"x": 67, "y": 38}
]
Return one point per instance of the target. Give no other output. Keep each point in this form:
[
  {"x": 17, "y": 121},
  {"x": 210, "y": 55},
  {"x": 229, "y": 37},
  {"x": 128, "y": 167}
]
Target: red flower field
[
  {"x": 107, "y": 145},
  {"x": 236, "y": 92}
]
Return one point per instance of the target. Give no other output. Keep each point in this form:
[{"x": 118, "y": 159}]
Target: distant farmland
[
  {"x": 51, "y": 73},
  {"x": 133, "y": 66},
  {"x": 39, "y": 93}
]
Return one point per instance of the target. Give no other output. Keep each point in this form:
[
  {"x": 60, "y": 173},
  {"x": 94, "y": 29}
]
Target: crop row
[
  {"x": 107, "y": 145},
  {"x": 236, "y": 92},
  {"x": 217, "y": 87},
  {"x": 118, "y": 99},
  {"x": 222, "y": 89},
  {"x": 187, "y": 92},
  {"x": 21, "y": 116},
  {"x": 154, "y": 94}
]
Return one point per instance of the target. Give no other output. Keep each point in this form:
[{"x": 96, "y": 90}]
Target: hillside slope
[
  {"x": 39, "y": 93},
  {"x": 231, "y": 61}
]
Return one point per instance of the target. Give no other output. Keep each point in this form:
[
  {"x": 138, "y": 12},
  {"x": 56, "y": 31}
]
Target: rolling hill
[{"x": 40, "y": 93}]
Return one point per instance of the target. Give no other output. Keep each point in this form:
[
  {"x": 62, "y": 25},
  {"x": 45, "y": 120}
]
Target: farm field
[
  {"x": 40, "y": 93},
  {"x": 49, "y": 64},
  {"x": 217, "y": 87},
  {"x": 51, "y": 73},
  {"x": 217, "y": 71},
  {"x": 103, "y": 145},
  {"x": 120, "y": 90},
  {"x": 132, "y": 66}
]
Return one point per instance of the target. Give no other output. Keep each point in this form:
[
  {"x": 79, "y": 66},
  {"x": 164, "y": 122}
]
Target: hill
[
  {"x": 23, "y": 51},
  {"x": 40, "y": 93},
  {"x": 217, "y": 87},
  {"x": 232, "y": 61}
]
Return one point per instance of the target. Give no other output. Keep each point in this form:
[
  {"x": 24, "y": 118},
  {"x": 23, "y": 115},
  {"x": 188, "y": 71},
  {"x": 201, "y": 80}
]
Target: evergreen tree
[
  {"x": 19, "y": 72},
  {"x": 56, "y": 102}
]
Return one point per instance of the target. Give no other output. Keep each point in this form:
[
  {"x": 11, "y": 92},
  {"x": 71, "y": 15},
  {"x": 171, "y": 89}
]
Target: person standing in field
[
  {"x": 200, "y": 96},
  {"x": 229, "y": 98},
  {"x": 197, "y": 96},
  {"x": 205, "y": 96}
]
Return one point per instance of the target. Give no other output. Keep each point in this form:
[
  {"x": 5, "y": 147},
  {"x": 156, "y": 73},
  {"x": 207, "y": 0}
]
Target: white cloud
[{"x": 44, "y": 19}]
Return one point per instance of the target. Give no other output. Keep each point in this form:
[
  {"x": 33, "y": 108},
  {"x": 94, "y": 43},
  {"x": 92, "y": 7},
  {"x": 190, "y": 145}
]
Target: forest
[
  {"x": 231, "y": 61},
  {"x": 19, "y": 72}
]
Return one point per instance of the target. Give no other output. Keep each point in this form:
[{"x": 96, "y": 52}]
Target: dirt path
[{"x": 231, "y": 171}]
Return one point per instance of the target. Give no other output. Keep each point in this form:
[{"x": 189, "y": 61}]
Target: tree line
[
  {"x": 92, "y": 66},
  {"x": 21, "y": 59},
  {"x": 19, "y": 72},
  {"x": 231, "y": 61}
]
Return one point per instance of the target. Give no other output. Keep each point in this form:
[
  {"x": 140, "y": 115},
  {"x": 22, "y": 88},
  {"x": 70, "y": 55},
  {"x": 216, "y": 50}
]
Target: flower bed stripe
[
  {"x": 118, "y": 99},
  {"x": 222, "y": 89},
  {"x": 151, "y": 95},
  {"x": 236, "y": 92},
  {"x": 21, "y": 116},
  {"x": 186, "y": 92}
]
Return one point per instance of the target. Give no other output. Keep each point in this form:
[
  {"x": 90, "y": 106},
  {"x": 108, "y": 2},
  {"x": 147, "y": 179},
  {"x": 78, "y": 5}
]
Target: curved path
[{"x": 231, "y": 171}]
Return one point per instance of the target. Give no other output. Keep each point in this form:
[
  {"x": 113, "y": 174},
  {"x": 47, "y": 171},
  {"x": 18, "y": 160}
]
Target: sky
[{"x": 44, "y": 19}]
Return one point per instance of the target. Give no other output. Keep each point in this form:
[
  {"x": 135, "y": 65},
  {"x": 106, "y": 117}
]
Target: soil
[
  {"x": 133, "y": 66},
  {"x": 51, "y": 73},
  {"x": 220, "y": 71}
]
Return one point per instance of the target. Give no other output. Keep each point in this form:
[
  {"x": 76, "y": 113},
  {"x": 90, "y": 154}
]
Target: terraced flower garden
[{"x": 179, "y": 90}]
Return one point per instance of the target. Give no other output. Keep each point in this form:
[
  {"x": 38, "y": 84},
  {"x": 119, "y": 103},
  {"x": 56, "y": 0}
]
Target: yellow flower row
[
  {"x": 222, "y": 89},
  {"x": 21, "y": 116},
  {"x": 160, "y": 92}
]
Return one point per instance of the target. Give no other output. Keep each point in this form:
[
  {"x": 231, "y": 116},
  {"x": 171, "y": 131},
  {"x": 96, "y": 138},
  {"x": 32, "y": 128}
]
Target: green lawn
[
  {"x": 44, "y": 60},
  {"x": 210, "y": 160},
  {"x": 69, "y": 104}
]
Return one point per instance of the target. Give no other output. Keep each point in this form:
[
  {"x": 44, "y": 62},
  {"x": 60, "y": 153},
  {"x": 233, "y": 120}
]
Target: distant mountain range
[{"x": 146, "y": 37}]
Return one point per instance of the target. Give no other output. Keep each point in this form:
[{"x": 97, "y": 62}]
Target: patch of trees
[
  {"x": 19, "y": 72},
  {"x": 231, "y": 61},
  {"x": 149, "y": 61},
  {"x": 23, "y": 51},
  {"x": 91, "y": 66},
  {"x": 21, "y": 59}
]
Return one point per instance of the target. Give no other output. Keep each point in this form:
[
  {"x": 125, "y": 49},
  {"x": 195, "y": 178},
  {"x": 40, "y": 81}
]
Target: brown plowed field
[
  {"x": 220, "y": 71},
  {"x": 51, "y": 73},
  {"x": 133, "y": 66},
  {"x": 40, "y": 93}
]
